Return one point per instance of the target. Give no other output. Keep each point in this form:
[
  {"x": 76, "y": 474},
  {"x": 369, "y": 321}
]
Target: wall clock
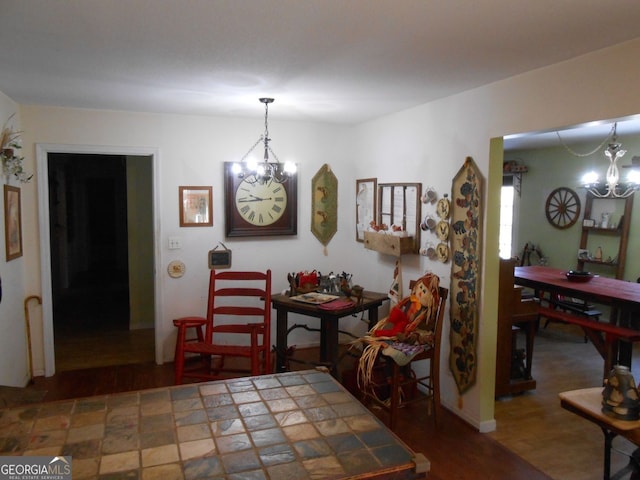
[
  {"x": 562, "y": 207},
  {"x": 259, "y": 208}
]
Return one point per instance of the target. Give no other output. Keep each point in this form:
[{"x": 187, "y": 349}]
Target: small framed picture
[
  {"x": 588, "y": 222},
  {"x": 12, "y": 222},
  {"x": 196, "y": 207},
  {"x": 583, "y": 254}
]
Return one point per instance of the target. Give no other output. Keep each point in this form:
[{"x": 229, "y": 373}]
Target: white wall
[
  {"x": 191, "y": 151},
  {"x": 14, "y": 367},
  {"x": 425, "y": 144}
]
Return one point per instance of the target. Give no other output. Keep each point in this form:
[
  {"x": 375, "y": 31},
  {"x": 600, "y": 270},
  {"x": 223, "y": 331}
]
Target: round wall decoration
[
  {"x": 176, "y": 269},
  {"x": 562, "y": 207}
]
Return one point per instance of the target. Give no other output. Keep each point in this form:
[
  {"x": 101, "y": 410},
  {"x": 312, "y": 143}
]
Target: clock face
[
  {"x": 261, "y": 204},
  {"x": 254, "y": 208}
]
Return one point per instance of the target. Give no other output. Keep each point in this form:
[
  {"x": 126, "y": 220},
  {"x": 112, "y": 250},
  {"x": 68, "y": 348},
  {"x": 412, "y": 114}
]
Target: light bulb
[{"x": 590, "y": 178}]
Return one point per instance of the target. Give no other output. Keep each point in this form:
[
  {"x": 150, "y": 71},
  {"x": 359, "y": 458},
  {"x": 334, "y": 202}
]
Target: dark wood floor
[{"x": 456, "y": 450}]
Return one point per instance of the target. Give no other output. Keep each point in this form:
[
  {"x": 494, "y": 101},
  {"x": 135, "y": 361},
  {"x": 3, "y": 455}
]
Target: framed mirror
[{"x": 399, "y": 206}]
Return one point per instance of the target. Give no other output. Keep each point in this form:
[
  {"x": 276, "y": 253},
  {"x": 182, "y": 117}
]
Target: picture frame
[
  {"x": 366, "y": 205},
  {"x": 583, "y": 254},
  {"x": 196, "y": 206},
  {"x": 588, "y": 222},
  {"x": 12, "y": 222}
]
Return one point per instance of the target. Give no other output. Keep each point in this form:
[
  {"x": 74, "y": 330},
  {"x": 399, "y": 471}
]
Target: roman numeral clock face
[
  {"x": 261, "y": 204},
  {"x": 258, "y": 208}
]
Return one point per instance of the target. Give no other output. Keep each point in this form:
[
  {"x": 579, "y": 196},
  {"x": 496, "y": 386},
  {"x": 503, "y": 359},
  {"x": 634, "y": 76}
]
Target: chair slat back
[{"x": 251, "y": 297}]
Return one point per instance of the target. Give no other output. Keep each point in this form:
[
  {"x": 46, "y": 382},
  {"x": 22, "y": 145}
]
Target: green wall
[{"x": 550, "y": 168}]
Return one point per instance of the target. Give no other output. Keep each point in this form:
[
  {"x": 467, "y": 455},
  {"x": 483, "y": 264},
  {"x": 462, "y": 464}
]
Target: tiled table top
[{"x": 297, "y": 425}]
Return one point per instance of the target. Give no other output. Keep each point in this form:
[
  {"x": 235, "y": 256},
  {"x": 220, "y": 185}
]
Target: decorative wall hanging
[
  {"x": 366, "y": 190},
  {"x": 10, "y": 160},
  {"x": 12, "y": 222},
  {"x": 466, "y": 237},
  {"x": 324, "y": 205},
  {"x": 562, "y": 208},
  {"x": 196, "y": 207}
]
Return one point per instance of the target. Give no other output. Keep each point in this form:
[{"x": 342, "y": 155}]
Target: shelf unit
[{"x": 621, "y": 231}]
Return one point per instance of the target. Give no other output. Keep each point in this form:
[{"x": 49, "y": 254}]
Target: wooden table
[
  {"x": 623, "y": 297},
  {"x": 607, "y": 291},
  {"x": 289, "y": 425},
  {"x": 329, "y": 321},
  {"x": 587, "y": 403}
]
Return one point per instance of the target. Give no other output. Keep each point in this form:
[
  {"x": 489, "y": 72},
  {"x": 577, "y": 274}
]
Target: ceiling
[{"x": 322, "y": 60}]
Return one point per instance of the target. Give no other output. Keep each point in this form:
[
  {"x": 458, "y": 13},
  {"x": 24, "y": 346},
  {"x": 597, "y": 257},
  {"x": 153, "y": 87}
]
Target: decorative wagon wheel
[{"x": 562, "y": 207}]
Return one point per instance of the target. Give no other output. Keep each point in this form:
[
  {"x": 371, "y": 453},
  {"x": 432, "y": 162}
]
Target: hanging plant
[{"x": 10, "y": 146}]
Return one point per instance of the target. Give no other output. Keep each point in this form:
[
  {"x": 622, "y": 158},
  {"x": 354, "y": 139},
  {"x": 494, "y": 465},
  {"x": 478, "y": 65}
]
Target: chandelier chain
[
  {"x": 244, "y": 157},
  {"x": 576, "y": 154},
  {"x": 266, "y": 121}
]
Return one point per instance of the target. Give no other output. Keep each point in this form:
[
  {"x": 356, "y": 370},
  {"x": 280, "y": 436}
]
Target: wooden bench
[
  {"x": 579, "y": 307},
  {"x": 605, "y": 336}
]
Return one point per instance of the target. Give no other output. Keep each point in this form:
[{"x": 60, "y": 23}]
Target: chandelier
[
  {"x": 264, "y": 171},
  {"x": 611, "y": 187}
]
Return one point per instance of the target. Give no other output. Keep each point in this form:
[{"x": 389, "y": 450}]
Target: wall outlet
[{"x": 175, "y": 243}]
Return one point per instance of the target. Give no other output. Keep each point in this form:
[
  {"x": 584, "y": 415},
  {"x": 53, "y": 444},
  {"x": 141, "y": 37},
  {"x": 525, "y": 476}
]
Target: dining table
[
  {"x": 623, "y": 298},
  {"x": 613, "y": 292}
]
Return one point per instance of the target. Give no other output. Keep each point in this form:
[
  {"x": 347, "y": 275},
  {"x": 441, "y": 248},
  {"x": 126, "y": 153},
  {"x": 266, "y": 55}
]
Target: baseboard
[{"x": 483, "y": 427}]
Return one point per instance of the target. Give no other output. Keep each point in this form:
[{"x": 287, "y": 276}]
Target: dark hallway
[{"x": 89, "y": 264}]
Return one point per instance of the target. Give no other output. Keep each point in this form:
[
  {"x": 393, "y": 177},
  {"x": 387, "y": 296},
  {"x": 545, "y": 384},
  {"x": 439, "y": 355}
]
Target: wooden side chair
[
  {"x": 237, "y": 324},
  {"x": 400, "y": 383}
]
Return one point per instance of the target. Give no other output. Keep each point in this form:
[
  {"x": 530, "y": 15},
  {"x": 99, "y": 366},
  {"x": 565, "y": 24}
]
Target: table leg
[
  {"x": 282, "y": 324},
  {"x": 608, "y": 439},
  {"x": 625, "y": 349},
  {"x": 329, "y": 343},
  {"x": 373, "y": 316}
]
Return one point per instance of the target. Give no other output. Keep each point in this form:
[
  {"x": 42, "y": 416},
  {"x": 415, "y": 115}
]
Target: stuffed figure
[{"x": 405, "y": 317}]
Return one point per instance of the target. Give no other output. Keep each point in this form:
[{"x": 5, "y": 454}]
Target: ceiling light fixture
[
  {"x": 611, "y": 186},
  {"x": 264, "y": 171}
]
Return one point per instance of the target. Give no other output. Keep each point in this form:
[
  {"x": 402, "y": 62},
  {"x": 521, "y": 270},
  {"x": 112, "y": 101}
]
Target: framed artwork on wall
[
  {"x": 366, "y": 191},
  {"x": 12, "y": 222},
  {"x": 196, "y": 207}
]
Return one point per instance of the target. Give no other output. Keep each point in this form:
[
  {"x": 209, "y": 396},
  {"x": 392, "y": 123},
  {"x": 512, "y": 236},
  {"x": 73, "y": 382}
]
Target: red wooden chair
[{"x": 235, "y": 298}]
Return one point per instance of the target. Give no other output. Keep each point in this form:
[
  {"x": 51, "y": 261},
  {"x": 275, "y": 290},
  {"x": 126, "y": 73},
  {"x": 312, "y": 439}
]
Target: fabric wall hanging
[
  {"x": 324, "y": 205},
  {"x": 466, "y": 238}
]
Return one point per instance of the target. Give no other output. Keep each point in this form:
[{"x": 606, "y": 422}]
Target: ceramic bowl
[{"x": 579, "y": 276}]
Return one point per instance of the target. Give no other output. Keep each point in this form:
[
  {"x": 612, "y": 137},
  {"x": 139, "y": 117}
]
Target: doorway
[{"x": 101, "y": 225}]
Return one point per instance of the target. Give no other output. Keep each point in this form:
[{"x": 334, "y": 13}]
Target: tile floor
[{"x": 294, "y": 425}]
